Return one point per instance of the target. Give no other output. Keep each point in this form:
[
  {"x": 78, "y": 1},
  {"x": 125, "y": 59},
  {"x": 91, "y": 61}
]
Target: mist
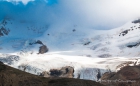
[{"x": 96, "y": 14}]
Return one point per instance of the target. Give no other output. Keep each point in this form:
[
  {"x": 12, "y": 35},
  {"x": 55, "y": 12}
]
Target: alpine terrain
[{"x": 38, "y": 48}]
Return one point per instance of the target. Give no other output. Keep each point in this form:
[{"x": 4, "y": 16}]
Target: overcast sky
[{"x": 99, "y": 14}]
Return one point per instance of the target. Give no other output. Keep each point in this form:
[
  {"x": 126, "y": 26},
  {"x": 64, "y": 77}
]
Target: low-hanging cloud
[{"x": 97, "y": 14}]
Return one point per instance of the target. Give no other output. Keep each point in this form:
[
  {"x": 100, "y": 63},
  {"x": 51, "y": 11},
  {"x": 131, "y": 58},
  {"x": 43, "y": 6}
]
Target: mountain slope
[
  {"x": 127, "y": 76},
  {"x": 87, "y": 50}
]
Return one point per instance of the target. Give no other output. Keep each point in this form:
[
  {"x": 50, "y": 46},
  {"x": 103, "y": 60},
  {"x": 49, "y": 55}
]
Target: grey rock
[
  {"x": 43, "y": 49},
  {"x": 66, "y": 72}
]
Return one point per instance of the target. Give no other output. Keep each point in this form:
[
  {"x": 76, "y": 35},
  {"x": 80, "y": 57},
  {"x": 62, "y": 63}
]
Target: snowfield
[{"x": 87, "y": 50}]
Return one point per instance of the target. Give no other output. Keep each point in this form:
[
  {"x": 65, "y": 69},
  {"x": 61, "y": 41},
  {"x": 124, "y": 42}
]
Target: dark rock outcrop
[
  {"x": 39, "y": 42},
  {"x": 4, "y": 31},
  {"x": 87, "y": 43},
  {"x": 136, "y": 21},
  {"x": 66, "y": 72},
  {"x": 123, "y": 33},
  {"x": 133, "y": 45},
  {"x": 73, "y": 30},
  {"x": 43, "y": 49},
  {"x": 36, "y": 42}
]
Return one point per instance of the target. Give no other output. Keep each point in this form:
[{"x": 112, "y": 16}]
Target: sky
[{"x": 96, "y": 14}]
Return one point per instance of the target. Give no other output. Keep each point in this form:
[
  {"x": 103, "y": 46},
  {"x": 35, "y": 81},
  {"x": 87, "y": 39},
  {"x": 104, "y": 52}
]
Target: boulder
[
  {"x": 66, "y": 72},
  {"x": 43, "y": 49}
]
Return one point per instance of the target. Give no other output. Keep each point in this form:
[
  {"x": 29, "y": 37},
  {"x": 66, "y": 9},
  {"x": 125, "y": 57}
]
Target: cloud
[
  {"x": 102, "y": 13},
  {"x": 98, "y": 14}
]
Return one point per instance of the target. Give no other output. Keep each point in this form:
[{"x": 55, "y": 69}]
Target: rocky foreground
[
  {"x": 13, "y": 77},
  {"x": 127, "y": 76}
]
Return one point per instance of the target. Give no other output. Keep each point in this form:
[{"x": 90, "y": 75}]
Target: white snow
[{"x": 80, "y": 48}]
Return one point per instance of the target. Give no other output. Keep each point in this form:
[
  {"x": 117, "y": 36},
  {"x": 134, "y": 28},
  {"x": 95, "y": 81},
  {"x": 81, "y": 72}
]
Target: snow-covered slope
[{"x": 87, "y": 50}]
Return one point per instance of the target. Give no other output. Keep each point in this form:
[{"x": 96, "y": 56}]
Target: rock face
[
  {"x": 3, "y": 30},
  {"x": 43, "y": 49},
  {"x": 36, "y": 42},
  {"x": 136, "y": 21},
  {"x": 66, "y": 72},
  {"x": 133, "y": 45}
]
